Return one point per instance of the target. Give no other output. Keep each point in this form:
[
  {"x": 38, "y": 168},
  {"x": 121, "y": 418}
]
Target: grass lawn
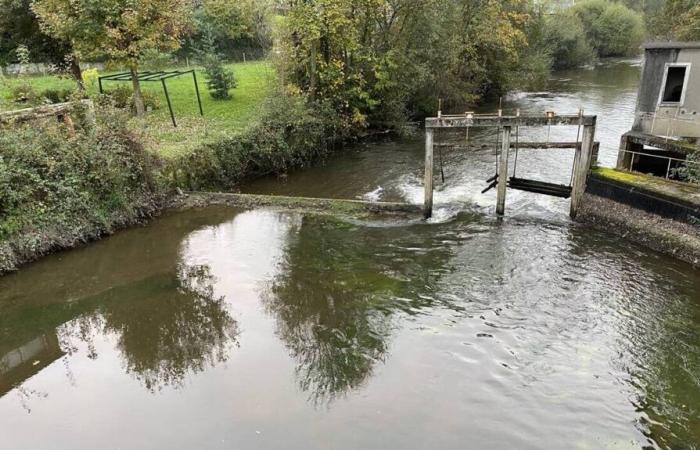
[{"x": 221, "y": 117}]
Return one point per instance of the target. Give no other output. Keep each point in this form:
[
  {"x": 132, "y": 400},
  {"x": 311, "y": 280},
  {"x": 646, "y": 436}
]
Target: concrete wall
[{"x": 677, "y": 121}]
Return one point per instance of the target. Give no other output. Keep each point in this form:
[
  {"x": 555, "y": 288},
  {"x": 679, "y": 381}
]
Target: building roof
[{"x": 671, "y": 45}]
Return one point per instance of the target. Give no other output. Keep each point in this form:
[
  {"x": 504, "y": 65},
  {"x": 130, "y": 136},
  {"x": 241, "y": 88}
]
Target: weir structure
[{"x": 506, "y": 124}]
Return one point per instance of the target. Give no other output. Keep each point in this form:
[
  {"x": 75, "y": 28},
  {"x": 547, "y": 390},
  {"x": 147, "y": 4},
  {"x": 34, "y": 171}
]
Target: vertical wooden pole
[
  {"x": 624, "y": 158},
  {"x": 582, "y": 164},
  {"x": 503, "y": 171},
  {"x": 428, "y": 181}
]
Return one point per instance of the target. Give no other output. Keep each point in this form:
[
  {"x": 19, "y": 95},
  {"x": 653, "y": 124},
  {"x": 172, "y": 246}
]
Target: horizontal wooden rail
[
  {"x": 465, "y": 121},
  {"x": 57, "y": 110}
]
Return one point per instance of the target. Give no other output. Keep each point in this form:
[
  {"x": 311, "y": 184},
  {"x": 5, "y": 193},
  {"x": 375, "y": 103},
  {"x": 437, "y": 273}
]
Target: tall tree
[
  {"x": 118, "y": 30},
  {"x": 19, "y": 26}
]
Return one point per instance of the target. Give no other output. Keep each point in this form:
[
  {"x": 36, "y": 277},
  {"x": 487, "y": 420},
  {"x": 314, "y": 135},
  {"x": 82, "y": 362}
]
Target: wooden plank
[
  {"x": 582, "y": 165},
  {"x": 503, "y": 171},
  {"x": 510, "y": 121},
  {"x": 545, "y": 145},
  {"x": 28, "y": 114},
  {"x": 428, "y": 180}
]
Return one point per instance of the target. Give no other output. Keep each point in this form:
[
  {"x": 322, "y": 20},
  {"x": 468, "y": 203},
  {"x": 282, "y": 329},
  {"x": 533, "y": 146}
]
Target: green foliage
[
  {"x": 220, "y": 80},
  {"x": 238, "y": 27},
  {"x": 19, "y": 27},
  {"x": 679, "y": 20},
  {"x": 378, "y": 68},
  {"x": 690, "y": 171},
  {"x": 23, "y": 94},
  {"x": 566, "y": 42},
  {"x": 22, "y": 54},
  {"x": 57, "y": 189},
  {"x": 612, "y": 29},
  {"x": 122, "y": 97},
  {"x": 290, "y": 133},
  {"x": 57, "y": 95}
]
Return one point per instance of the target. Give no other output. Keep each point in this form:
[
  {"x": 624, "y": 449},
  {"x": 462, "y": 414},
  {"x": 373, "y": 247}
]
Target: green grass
[{"x": 221, "y": 117}]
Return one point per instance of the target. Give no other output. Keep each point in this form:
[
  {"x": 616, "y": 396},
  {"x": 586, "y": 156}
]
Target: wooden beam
[
  {"x": 503, "y": 171},
  {"x": 428, "y": 180},
  {"x": 582, "y": 165},
  {"x": 29, "y": 114},
  {"x": 510, "y": 121}
]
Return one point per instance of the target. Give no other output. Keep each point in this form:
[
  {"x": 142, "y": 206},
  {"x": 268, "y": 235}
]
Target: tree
[
  {"x": 119, "y": 30},
  {"x": 378, "y": 60},
  {"x": 19, "y": 26},
  {"x": 679, "y": 20}
]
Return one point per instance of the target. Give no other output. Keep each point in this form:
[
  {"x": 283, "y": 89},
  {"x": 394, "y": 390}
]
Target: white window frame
[{"x": 685, "y": 84}]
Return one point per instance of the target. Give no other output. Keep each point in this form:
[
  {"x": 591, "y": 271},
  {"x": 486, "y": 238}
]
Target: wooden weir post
[
  {"x": 428, "y": 181},
  {"x": 503, "y": 171},
  {"x": 582, "y": 164},
  {"x": 505, "y": 123}
]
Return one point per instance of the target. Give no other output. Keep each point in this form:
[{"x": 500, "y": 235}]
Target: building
[{"x": 667, "y": 117}]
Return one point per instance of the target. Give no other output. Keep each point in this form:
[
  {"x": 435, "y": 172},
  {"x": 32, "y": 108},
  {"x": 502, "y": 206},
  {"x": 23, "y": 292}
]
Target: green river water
[{"x": 259, "y": 329}]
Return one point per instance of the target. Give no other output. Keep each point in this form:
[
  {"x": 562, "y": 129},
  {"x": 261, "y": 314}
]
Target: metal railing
[{"x": 669, "y": 158}]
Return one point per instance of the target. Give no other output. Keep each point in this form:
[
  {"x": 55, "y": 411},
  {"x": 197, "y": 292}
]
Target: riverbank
[
  {"x": 658, "y": 214},
  {"x": 65, "y": 184}
]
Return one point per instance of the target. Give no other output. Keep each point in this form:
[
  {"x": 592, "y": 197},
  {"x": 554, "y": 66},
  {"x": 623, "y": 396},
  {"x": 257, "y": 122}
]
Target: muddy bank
[{"x": 674, "y": 238}]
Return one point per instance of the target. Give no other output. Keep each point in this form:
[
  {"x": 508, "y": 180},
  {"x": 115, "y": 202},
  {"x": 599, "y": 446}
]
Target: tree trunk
[
  {"x": 77, "y": 73},
  {"x": 312, "y": 70},
  {"x": 138, "y": 97}
]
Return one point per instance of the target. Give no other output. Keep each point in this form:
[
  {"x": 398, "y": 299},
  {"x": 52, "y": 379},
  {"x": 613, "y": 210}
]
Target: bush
[
  {"x": 565, "y": 40},
  {"x": 612, "y": 29},
  {"x": 220, "y": 80},
  {"x": 122, "y": 97},
  {"x": 24, "y": 94},
  {"x": 57, "y": 95},
  {"x": 291, "y": 133},
  {"x": 57, "y": 190},
  {"x": 618, "y": 31}
]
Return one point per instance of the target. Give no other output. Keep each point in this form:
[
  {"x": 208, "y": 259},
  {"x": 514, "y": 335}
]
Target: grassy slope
[{"x": 221, "y": 117}]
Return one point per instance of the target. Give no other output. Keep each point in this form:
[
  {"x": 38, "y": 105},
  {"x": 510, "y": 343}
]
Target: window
[{"x": 674, "y": 84}]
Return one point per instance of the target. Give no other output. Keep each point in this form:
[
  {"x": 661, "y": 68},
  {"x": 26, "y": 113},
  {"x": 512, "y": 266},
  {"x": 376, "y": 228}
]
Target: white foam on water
[{"x": 373, "y": 196}]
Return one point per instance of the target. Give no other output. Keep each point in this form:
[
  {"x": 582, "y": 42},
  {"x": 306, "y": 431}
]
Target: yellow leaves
[{"x": 119, "y": 29}]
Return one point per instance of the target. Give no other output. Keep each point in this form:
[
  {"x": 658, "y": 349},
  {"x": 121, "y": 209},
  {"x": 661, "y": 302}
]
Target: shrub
[
  {"x": 23, "y": 93},
  {"x": 612, "y": 29},
  {"x": 122, "y": 97},
  {"x": 291, "y": 133},
  {"x": 220, "y": 80},
  {"x": 57, "y": 95},
  {"x": 618, "y": 31},
  {"x": 565, "y": 40},
  {"x": 57, "y": 190}
]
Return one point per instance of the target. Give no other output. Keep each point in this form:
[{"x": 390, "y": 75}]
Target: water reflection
[
  {"x": 337, "y": 294},
  {"x": 167, "y": 326}
]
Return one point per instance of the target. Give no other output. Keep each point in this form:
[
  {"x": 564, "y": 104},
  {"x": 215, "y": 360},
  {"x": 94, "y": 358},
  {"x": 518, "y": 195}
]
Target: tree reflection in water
[
  {"x": 167, "y": 328},
  {"x": 335, "y": 299}
]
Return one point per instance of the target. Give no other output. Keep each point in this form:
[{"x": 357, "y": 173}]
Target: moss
[
  {"x": 336, "y": 207},
  {"x": 681, "y": 191}
]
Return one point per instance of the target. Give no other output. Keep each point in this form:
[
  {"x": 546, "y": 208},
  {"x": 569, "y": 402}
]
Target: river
[{"x": 226, "y": 328}]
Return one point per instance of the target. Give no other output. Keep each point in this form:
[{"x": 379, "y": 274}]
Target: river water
[{"x": 225, "y": 328}]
